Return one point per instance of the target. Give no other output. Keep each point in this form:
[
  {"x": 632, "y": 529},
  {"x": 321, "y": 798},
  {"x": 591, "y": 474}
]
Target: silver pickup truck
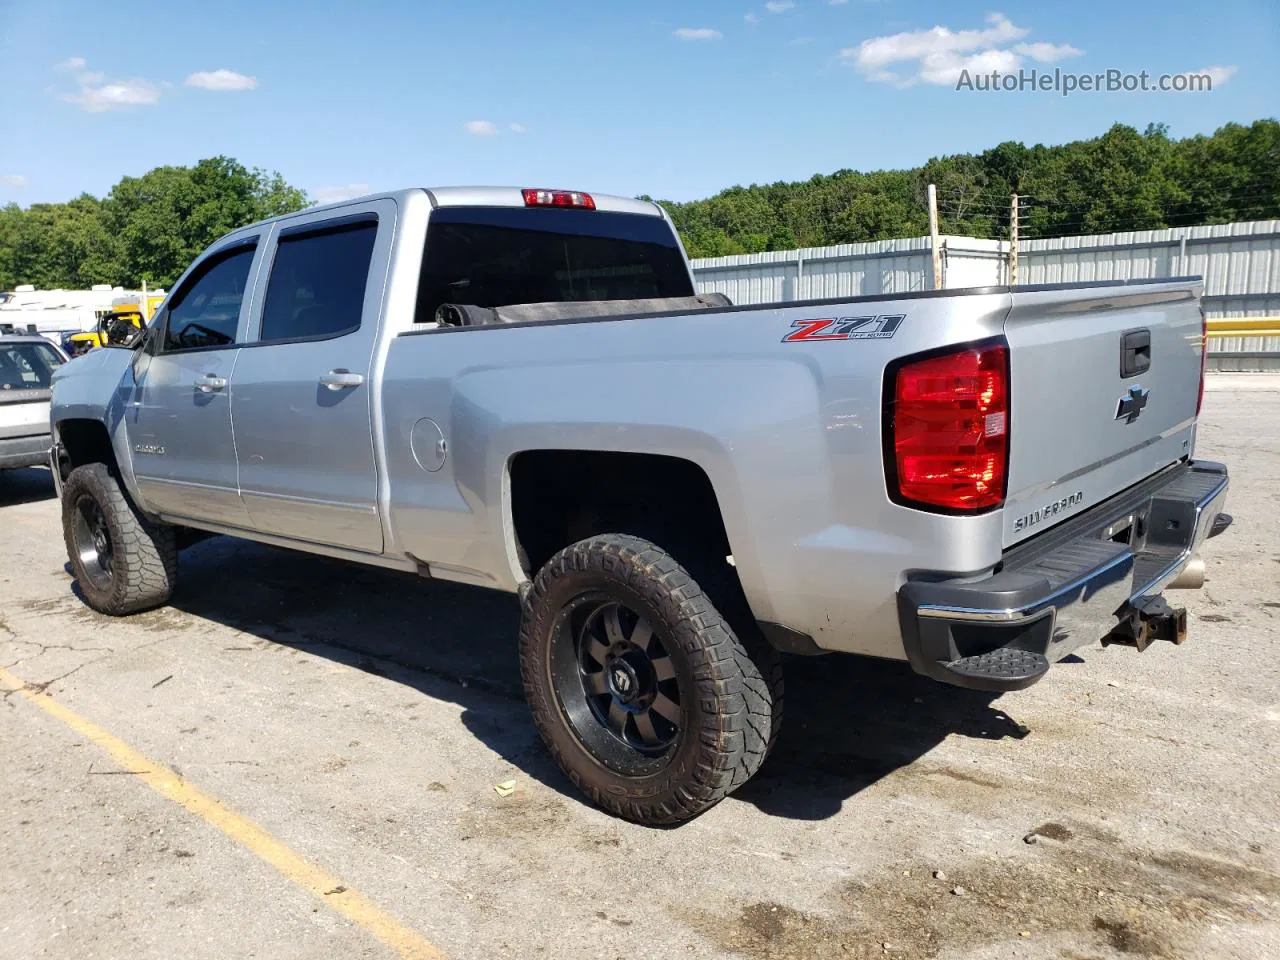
[{"x": 520, "y": 389}]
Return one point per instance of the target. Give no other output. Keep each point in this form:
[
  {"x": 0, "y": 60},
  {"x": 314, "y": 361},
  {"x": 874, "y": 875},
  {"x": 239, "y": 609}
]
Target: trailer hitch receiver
[{"x": 1147, "y": 619}]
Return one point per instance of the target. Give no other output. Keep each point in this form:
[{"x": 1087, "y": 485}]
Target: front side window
[
  {"x": 27, "y": 366},
  {"x": 318, "y": 281},
  {"x": 206, "y": 311},
  {"x": 500, "y": 256}
]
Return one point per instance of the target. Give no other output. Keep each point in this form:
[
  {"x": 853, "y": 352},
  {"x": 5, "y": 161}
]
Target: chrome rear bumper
[{"x": 1069, "y": 586}]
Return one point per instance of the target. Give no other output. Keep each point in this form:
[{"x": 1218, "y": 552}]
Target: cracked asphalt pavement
[{"x": 1125, "y": 806}]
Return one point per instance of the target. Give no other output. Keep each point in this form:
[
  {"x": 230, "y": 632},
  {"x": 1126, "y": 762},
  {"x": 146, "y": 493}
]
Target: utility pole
[
  {"x": 934, "y": 246},
  {"x": 1013, "y": 242}
]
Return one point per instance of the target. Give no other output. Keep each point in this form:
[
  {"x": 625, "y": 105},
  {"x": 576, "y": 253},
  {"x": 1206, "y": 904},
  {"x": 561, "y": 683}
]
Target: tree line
[
  {"x": 1122, "y": 180},
  {"x": 147, "y": 228},
  {"x": 151, "y": 227}
]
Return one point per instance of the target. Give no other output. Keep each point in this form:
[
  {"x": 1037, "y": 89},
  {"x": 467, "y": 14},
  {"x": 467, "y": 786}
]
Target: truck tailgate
[{"x": 1105, "y": 382}]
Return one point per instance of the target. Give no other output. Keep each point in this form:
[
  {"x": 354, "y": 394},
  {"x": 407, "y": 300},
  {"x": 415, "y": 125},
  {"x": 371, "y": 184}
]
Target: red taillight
[
  {"x": 950, "y": 429},
  {"x": 558, "y": 198},
  {"x": 1204, "y": 355}
]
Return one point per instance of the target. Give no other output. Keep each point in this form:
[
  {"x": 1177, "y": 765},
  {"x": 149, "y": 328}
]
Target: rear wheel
[
  {"x": 122, "y": 562},
  {"x": 646, "y": 697}
]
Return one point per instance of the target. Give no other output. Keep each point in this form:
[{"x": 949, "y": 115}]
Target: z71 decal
[{"x": 845, "y": 328}]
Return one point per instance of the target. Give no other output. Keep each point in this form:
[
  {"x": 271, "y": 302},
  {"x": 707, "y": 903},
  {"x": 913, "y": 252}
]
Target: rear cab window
[{"x": 501, "y": 256}]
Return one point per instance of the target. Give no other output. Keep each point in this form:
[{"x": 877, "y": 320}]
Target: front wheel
[
  {"x": 123, "y": 562},
  {"x": 644, "y": 695}
]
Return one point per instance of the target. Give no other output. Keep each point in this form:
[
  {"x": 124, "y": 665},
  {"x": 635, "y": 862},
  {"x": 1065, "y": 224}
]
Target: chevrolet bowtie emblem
[{"x": 1132, "y": 404}]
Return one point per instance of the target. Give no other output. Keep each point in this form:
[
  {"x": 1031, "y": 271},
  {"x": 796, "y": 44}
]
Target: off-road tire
[
  {"x": 144, "y": 556},
  {"x": 728, "y": 713}
]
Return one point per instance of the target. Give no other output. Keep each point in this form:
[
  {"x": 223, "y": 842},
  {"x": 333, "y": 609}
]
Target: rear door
[
  {"x": 179, "y": 415},
  {"x": 303, "y": 396},
  {"x": 1105, "y": 382}
]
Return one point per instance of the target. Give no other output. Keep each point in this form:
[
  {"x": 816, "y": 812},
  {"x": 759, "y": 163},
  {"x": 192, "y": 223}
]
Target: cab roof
[
  {"x": 482, "y": 197},
  {"x": 456, "y": 197},
  {"x": 514, "y": 197}
]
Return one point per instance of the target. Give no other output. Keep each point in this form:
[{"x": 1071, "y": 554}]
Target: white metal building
[{"x": 1240, "y": 263}]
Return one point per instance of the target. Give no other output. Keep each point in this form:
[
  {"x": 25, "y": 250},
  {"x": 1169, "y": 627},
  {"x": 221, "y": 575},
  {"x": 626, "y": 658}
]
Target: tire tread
[
  {"x": 145, "y": 554},
  {"x": 735, "y": 684}
]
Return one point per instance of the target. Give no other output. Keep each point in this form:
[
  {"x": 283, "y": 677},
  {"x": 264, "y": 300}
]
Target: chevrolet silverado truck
[{"x": 522, "y": 390}]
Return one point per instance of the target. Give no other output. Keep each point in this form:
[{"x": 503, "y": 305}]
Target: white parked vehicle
[{"x": 27, "y": 364}]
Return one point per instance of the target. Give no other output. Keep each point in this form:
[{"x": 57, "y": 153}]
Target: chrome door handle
[
  {"x": 208, "y": 383},
  {"x": 341, "y": 379}
]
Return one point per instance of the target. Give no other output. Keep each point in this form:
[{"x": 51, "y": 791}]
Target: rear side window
[
  {"x": 206, "y": 311},
  {"x": 27, "y": 366},
  {"x": 317, "y": 283},
  {"x": 500, "y": 256}
]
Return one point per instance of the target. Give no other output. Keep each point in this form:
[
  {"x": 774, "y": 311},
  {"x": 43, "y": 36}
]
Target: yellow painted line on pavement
[{"x": 335, "y": 895}]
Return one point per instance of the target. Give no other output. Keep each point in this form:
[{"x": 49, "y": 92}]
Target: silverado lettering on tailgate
[{"x": 1047, "y": 511}]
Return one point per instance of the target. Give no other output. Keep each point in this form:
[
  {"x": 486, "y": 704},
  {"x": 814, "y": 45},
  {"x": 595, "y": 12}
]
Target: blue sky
[{"x": 674, "y": 98}]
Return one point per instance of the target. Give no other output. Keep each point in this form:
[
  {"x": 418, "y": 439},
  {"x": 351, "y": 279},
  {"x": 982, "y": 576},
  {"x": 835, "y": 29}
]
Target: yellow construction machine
[{"x": 118, "y": 325}]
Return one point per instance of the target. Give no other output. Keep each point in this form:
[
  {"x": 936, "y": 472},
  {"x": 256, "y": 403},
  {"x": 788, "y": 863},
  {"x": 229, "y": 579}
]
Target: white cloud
[
  {"x": 517, "y": 128},
  {"x": 1047, "y": 52},
  {"x": 90, "y": 78},
  {"x": 71, "y": 63},
  {"x": 15, "y": 180},
  {"x": 752, "y": 18},
  {"x": 481, "y": 128},
  {"x": 946, "y": 71},
  {"x": 117, "y": 95},
  {"x": 346, "y": 191},
  {"x": 836, "y": 3},
  {"x": 1218, "y": 75},
  {"x": 697, "y": 33},
  {"x": 221, "y": 80},
  {"x": 940, "y": 55},
  {"x": 779, "y": 6}
]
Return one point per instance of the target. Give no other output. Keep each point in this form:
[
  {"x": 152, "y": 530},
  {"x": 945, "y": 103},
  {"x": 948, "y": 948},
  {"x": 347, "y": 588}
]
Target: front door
[
  {"x": 302, "y": 392},
  {"x": 179, "y": 416}
]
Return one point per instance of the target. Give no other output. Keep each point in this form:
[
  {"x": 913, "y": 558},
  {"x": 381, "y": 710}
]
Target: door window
[
  {"x": 317, "y": 285},
  {"x": 206, "y": 311}
]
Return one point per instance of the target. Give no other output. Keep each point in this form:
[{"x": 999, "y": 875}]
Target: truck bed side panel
[{"x": 788, "y": 433}]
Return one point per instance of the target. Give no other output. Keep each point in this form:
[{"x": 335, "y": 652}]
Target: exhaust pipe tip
[{"x": 1191, "y": 577}]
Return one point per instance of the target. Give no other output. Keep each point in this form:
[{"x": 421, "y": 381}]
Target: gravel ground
[{"x": 363, "y": 718}]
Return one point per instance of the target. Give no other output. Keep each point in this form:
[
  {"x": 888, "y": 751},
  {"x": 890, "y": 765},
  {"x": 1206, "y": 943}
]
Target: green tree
[
  {"x": 147, "y": 228},
  {"x": 1122, "y": 180},
  {"x": 167, "y": 216}
]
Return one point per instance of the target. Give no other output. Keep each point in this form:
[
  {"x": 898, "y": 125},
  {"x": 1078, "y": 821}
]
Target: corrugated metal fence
[{"x": 1240, "y": 263}]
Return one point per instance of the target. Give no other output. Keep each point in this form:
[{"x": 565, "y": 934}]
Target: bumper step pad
[{"x": 1002, "y": 669}]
